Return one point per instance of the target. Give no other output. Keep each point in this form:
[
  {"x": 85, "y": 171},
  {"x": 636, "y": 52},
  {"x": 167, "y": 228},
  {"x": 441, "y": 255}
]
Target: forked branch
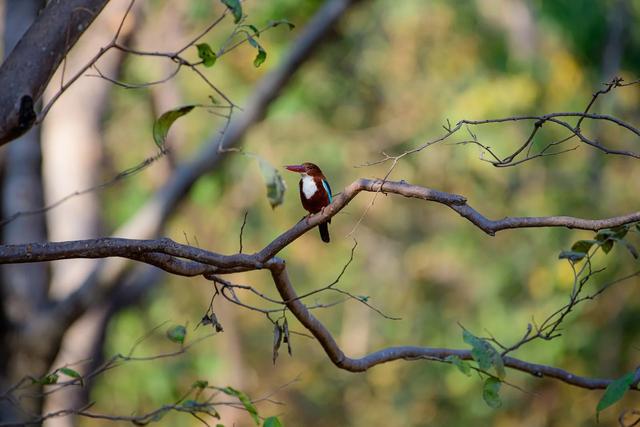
[
  {"x": 187, "y": 260},
  {"x": 191, "y": 261},
  {"x": 335, "y": 354}
]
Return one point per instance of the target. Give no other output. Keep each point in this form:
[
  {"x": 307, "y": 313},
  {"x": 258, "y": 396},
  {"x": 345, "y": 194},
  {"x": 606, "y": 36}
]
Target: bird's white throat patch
[{"x": 309, "y": 186}]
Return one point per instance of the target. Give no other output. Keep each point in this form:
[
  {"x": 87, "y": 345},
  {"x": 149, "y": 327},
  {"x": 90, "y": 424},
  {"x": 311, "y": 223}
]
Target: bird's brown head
[{"x": 308, "y": 168}]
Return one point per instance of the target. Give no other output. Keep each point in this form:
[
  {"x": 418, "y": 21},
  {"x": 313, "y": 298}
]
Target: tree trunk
[
  {"x": 23, "y": 287},
  {"x": 73, "y": 152}
]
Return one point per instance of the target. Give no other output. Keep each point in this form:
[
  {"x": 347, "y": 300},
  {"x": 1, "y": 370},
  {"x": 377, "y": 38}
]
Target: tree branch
[
  {"x": 335, "y": 354},
  {"x": 190, "y": 261},
  {"x": 558, "y": 118},
  {"x": 150, "y": 218},
  {"x": 164, "y": 253},
  {"x": 31, "y": 64}
]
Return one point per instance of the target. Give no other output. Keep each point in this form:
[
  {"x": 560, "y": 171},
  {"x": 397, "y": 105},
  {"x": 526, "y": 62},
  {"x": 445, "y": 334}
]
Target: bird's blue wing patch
[{"x": 325, "y": 184}]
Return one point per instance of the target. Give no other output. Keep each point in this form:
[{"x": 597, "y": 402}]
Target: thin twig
[{"x": 244, "y": 222}]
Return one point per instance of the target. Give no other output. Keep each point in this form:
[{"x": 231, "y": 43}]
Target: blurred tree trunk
[
  {"x": 73, "y": 152},
  {"x": 23, "y": 287},
  {"x": 33, "y": 325},
  {"x": 166, "y": 30},
  {"x": 617, "y": 22},
  {"x": 516, "y": 19},
  {"x": 610, "y": 353},
  {"x": 232, "y": 356}
]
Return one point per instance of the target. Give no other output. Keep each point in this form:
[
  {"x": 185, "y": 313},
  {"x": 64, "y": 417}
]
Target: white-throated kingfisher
[{"x": 315, "y": 192}]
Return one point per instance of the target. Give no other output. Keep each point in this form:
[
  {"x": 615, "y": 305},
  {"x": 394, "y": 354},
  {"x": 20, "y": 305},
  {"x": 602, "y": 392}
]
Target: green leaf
[
  {"x": 606, "y": 246},
  {"x": 200, "y": 384},
  {"x": 244, "y": 399},
  {"x": 274, "y": 182},
  {"x": 491, "y": 392},
  {"x": 572, "y": 256},
  {"x": 163, "y": 123},
  {"x": 583, "y": 246},
  {"x": 272, "y": 422},
  {"x": 614, "y": 392},
  {"x": 262, "y": 54},
  {"x": 177, "y": 333},
  {"x": 260, "y": 57},
  {"x": 73, "y": 374},
  {"x": 281, "y": 22},
  {"x": 607, "y": 237},
  {"x": 484, "y": 353},
  {"x": 253, "y": 29},
  {"x": 620, "y": 231},
  {"x": 462, "y": 365},
  {"x": 479, "y": 350},
  {"x": 48, "y": 379},
  {"x": 605, "y": 234},
  {"x": 236, "y": 9},
  {"x": 207, "y": 55}
]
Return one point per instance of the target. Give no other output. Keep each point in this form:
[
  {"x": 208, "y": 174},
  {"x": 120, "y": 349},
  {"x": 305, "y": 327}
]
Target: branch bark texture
[
  {"x": 29, "y": 67},
  {"x": 191, "y": 261},
  {"x": 389, "y": 354}
]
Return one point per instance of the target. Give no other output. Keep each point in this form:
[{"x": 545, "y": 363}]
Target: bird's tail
[{"x": 324, "y": 232}]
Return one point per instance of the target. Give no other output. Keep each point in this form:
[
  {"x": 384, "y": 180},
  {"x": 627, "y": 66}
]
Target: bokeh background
[{"x": 388, "y": 78}]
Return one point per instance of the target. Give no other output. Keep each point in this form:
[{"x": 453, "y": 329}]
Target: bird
[{"x": 315, "y": 192}]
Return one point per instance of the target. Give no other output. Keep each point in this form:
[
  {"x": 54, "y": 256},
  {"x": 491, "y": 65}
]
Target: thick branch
[
  {"x": 150, "y": 219},
  {"x": 31, "y": 64},
  {"x": 164, "y": 253},
  {"x": 173, "y": 257},
  {"x": 328, "y": 343},
  {"x": 188, "y": 261},
  {"x": 456, "y": 202}
]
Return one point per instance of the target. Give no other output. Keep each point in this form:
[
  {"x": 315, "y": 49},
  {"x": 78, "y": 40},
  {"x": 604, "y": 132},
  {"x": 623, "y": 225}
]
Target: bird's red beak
[{"x": 295, "y": 168}]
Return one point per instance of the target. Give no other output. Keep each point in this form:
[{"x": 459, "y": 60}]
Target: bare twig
[
  {"x": 244, "y": 222},
  {"x": 557, "y": 118},
  {"x": 63, "y": 87},
  {"x": 167, "y": 253},
  {"x": 335, "y": 354}
]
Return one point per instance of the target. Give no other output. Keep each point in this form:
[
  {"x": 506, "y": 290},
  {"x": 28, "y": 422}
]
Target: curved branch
[
  {"x": 188, "y": 261},
  {"x": 171, "y": 256},
  {"x": 454, "y": 201},
  {"x": 164, "y": 253},
  {"x": 546, "y": 117},
  {"x": 151, "y": 218},
  {"x": 331, "y": 348},
  {"x": 539, "y": 120}
]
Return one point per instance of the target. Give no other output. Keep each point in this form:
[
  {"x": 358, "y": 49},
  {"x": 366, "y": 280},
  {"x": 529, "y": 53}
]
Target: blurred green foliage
[{"x": 387, "y": 79}]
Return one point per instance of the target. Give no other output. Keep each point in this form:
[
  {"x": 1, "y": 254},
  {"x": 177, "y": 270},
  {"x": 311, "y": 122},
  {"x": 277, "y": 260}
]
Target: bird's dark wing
[{"x": 326, "y": 186}]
